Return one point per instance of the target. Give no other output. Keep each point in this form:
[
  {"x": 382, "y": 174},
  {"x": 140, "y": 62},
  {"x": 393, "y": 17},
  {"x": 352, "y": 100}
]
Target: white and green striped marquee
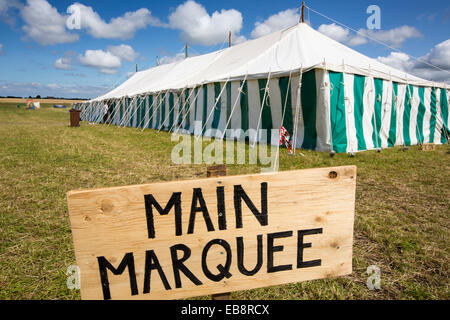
[{"x": 334, "y": 99}]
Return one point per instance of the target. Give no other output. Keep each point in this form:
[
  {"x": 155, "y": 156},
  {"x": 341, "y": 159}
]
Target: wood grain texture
[
  {"x": 111, "y": 222},
  {"x": 218, "y": 171}
]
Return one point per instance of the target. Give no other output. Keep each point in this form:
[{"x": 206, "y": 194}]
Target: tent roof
[{"x": 279, "y": 53}]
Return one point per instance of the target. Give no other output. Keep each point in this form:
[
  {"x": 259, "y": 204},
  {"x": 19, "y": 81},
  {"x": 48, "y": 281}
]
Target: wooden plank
[{"x": 111, "y": 227}]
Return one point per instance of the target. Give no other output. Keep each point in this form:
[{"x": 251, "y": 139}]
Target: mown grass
[{"x": 401, "y": 222}]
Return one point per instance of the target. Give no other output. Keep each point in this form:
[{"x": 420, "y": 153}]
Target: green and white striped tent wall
[
  {"x": 347, "y": 102},
  {"x": 337, "y": 111}
]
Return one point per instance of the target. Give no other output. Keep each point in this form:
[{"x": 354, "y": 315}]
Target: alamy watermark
[
  {"x": 374, "y": 20},
  {"x": 73, "y": 22},
  {"x": 374, "y": 280},
  {"x": 194, "y": 150},
  {"x": 73, "y": 277}
]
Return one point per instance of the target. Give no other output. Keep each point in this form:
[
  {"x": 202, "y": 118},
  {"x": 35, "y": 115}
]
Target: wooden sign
[{"x": 190, "y": 238}]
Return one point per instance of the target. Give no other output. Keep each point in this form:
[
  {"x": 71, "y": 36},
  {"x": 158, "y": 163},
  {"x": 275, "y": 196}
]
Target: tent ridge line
[{"x": 330, "y": 67}]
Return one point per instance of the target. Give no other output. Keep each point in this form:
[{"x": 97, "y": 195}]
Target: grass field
[{"x": 401, "y": 222}]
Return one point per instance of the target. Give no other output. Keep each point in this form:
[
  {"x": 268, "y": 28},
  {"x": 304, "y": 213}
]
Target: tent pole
[
  {"x": 303, "y": 12},
  {"x": 229, "y": 39}
]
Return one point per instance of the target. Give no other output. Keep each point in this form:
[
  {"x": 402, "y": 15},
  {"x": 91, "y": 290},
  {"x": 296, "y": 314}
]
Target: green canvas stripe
[
  {"x": 196, "y": 103},
  {"x": 420, "y": 115},
  {"x": 144, "y": 111},
  {"x": 141, "y": 113},
  {"x": 113, "y": 110},
  {"x": 125, "y": 111},
  {"x": 266, "y": 115},
  {"x": 358, "y": 94},
  {"x": 407, "y": 115},
  {"x": 171, "y": 109},
  {"x": 205, "y": 108},
  {"x": 433, "y": 114},
  {"x": 130, "y": 111},
  {"x": 393, "y": 125},
  {"x": 218, "y": 106},
  {"x": 121, "y": 110},
  {"x": 228, "y": 105},
  {"x": 376, "y": 119},
  {"x": 163, "y": 110},
  {"x": 309, "y": 107},
  {"x": 285, "y": 91},
  {"x": 186, "y": 111},
  {"x": 337, "y": 112},
  {"x": 159, "y": 105},
  {"x": 180, "y": 109},
  {"x": 444, "y": 113},
  {"x": 150, "y": 112},
  {"x": 244, "y": 107},
  {"x": 138, "y": 111}
]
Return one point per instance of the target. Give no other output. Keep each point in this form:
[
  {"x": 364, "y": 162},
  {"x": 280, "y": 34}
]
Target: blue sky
[{"x": 40, "y": 55}]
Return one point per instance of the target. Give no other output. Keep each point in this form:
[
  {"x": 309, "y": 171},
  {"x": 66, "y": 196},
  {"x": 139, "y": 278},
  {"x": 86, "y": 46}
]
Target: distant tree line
[{"x": 39, "y": 97}]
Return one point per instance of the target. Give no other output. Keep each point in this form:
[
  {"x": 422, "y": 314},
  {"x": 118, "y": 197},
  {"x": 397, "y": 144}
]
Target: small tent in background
[
  {"x": 30, "y": 104},
  {"x": 59, "y": 106},
  {"x": 33, "y": 105},
  {"x": 327, "y": 96}
]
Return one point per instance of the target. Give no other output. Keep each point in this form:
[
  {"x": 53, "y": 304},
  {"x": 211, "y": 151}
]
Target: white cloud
[
  {"x": 104, "y": 61},
  {"x": 171, "y": 59},
  {"x": 198, "y": 27},
  {"x": 63, "y": 64},
  {"x": 5, "y": 5},
  {"x": 438, "y": 56},
  {"x": 44, "y": 24},
  {"x": 335, "y": 32},
  {"x": 393, "y": 37},
  {"x": 276, "y": 22},
  {"x": 52, "y": 86},
  {"x": 123, "y": 27},
  {"x": 6, "y": 10},
  {"x": 124, "y": 52},
  {"x": 108, "y": 71},
  {"x": 397, "y": 60},
  {"x": 107, "y": 62}
]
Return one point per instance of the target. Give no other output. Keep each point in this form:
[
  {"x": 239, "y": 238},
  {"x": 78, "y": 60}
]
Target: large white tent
[{"x": 328, "y": 96}]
